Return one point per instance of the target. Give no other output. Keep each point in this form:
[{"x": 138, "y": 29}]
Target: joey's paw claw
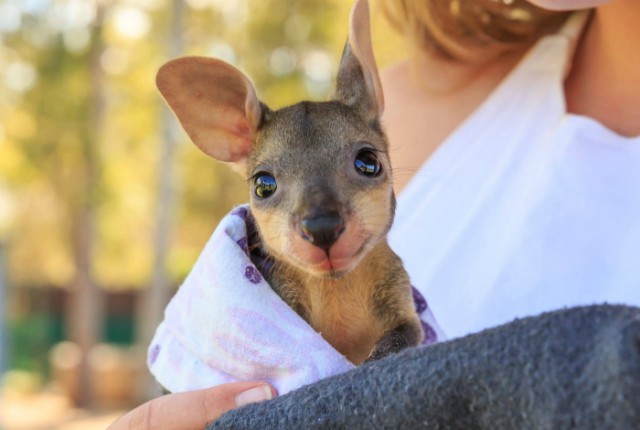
[{"x": 376, "y": 354}]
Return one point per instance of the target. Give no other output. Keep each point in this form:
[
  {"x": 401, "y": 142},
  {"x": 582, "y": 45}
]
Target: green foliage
[{"x": 31, "y": 339}]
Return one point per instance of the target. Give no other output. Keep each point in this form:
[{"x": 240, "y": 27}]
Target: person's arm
[
  {"x": 193, "y": 409},
  {"x": 571, "y": 369}
]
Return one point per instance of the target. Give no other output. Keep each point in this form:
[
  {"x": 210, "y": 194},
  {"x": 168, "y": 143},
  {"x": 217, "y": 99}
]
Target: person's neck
[
  {"x": 437, "y": 76},
  {"x": 604, "y": 81}
]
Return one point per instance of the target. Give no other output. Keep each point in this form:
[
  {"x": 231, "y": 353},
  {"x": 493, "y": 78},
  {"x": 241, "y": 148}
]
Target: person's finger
[{"x": 193, "y": 409}]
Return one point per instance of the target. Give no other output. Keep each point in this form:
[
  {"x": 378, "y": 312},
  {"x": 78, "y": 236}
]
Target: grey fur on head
[{"x": 576, "y": 368}]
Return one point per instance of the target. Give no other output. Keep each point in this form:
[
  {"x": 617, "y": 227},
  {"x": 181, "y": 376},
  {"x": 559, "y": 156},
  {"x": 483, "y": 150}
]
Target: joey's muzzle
[{"x": 322, "y": 230}]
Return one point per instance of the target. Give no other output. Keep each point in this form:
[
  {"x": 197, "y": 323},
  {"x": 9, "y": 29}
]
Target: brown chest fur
[
  {"x": 343, "y": 313},
  {"x": 354, "y": 311}
]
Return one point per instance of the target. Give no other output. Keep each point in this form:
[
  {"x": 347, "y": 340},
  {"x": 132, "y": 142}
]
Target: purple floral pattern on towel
[
  {"x": 240, "y": 211},
  {"x": 421, "y": 306},
  {"x": 244, "y": 244},
  {"x": 418, "y": 300},
  {"x": 153, "y": 354},
  {"x": 430, "y": 335},
  {"x": 252, "y": 274}
]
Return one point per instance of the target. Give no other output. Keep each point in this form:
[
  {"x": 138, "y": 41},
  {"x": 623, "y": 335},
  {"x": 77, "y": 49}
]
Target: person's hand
[{"x": 193, "y": 409}]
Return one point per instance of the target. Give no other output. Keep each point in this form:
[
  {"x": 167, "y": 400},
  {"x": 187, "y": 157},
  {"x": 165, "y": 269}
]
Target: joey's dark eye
[
  {"x": 367, "y": 163},
  {"x": 264, "y": 185}
]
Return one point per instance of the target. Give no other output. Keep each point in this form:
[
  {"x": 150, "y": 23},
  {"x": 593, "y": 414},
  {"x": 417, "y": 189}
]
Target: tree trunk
[
  {"x": 154, "y": 299},
  {"x": 86, "y": 316}
]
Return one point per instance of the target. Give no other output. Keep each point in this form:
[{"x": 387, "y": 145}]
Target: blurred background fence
[{"x": 103, "y": 207}]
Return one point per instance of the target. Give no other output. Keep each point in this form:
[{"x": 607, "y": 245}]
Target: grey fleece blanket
[{"x": 571, "y": 369}]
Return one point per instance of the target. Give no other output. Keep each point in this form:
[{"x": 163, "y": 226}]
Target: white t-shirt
[{"x": 525, "y": 208}]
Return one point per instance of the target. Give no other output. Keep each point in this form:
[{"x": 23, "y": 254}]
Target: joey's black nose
[{"x": 323, "y": 230}]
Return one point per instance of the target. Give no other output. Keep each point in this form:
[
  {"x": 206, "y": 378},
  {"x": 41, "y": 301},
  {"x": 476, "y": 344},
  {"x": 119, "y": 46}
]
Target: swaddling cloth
[{"x": 226, "y": 324}]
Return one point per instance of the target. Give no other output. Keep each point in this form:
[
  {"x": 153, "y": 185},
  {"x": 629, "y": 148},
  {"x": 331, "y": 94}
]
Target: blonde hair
[{"x": 470, "y": 30}]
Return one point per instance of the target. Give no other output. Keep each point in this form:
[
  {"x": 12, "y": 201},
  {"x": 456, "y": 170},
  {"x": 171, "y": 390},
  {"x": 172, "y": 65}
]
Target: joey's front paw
[
  {"x": 377, "y": 354},
  {"x": 387, "y": 345},
  {"x": 401, "y": 337}
]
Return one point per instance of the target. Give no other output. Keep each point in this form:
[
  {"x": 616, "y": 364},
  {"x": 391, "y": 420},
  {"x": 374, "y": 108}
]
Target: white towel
[{"x": 226, "y": 324}]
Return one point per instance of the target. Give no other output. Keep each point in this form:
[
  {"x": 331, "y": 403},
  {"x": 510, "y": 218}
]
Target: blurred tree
[
  {"x": 86, "y": 309},
  {"x": 155, "y": 298}
]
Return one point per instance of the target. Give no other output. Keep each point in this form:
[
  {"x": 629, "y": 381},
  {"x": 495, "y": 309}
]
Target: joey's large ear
[
  {"x": 358, "y": 81},
  {"x": 215, "y": 103}
]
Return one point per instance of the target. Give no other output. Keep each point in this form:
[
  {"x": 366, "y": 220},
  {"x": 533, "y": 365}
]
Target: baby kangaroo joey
[{"x": 321, "y": 192}]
